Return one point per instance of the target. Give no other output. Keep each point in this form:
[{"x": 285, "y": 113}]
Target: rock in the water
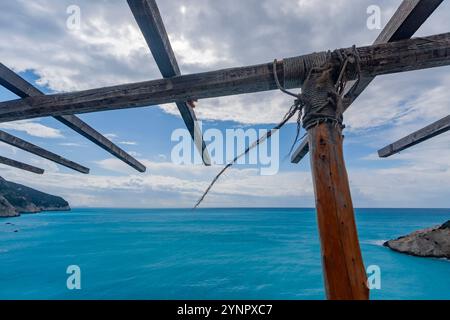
[
  {"x": 432, "y": 242},
  {"x": 16, "y": 199}
]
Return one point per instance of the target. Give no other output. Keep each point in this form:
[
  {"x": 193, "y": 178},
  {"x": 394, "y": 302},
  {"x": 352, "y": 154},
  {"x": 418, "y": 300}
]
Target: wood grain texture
[
  {"x": 407, "y": 55},
  {"x": 20, "y": 165},
  {"x": 344, "y": 272},
  {"x": 430, "y": 131},
  {"x": 31, "y": 148},
  {"x": 150, "y": 22},
  {"x": 16, "y": 84},
  {"x": 408, "y": 18}
]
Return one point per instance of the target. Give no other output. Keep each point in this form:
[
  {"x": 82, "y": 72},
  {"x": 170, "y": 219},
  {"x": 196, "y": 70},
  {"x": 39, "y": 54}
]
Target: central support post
[
  {"x": 321, "y": 100},
  {"x": 343, "y": 268}
]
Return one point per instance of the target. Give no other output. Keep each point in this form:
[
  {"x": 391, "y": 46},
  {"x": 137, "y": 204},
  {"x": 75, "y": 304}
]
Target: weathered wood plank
[
  {"x": 401, "y": 56},
  {"x": 344, "y": 272},
  {"x": 150, "y": 22},
  {"x": 430, "y": 131},
  {"x": 16, "y": 84},
  {"x": 29, "y": 147},
  {"x": 408, "y": 18},
  {"x": 20, "y": 165}
]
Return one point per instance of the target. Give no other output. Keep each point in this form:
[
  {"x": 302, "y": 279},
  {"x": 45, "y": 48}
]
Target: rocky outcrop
[
  {"x": 432, "y": 242},
  {"x": 6, "y": 209},
  {"x": 16, "y": 199}
]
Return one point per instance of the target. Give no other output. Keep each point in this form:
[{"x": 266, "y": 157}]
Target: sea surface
[{"x": 204, "y": 254}]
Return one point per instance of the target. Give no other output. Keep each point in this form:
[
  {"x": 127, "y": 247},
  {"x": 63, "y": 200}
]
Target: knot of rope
[{"x": 325, "y": 85}]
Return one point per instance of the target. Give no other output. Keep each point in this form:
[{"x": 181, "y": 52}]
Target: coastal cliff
[
  {"x": 16, "y": 199},
  {"x": 431, "y": 242}
]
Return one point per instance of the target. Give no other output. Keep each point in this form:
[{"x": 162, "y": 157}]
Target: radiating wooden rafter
[
  {"x": 16, "y": 84},
  {"x": 150, "y": 22},
  {"x": 29, "y": 147},
  {"x": 20, "y": 165},
  {"x": 424, "y": 134}
]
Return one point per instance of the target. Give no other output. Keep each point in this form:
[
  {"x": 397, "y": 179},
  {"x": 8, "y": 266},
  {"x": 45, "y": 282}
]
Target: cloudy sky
[{"x": 206, "y": 35}]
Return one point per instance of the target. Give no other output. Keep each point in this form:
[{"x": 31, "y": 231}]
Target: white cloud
[
  {"x": 114, "y": 136},
  {"x": 108, "y": 49},
  {"x": 6, "y": 148},
  {"x": 129, "y": 143},
  {"x": 402, "y": 100},
  {"x": 184, "y": 185},
  {"x": 265, "y": 107},
  {"x": 70, "y": 144},
  {"x": 134, "y": 153},
  {"x": 32, "y": 128},
  {"x": 162, "y": 157},
  {"x": 110, "y": 136},
  {"x": 47, "y": 165},
  {"x": 414, "y": 179},
  {"x": 209, "y": 53},
  {"x": 115, "y": 165}
]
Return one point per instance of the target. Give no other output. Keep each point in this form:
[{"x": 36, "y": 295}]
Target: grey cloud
[{"x": 110, "y": 50}]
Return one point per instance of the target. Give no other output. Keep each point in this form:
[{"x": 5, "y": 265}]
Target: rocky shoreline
[
  {"x": 431, "y": 242},
  {"x": 16, "y": 199}
]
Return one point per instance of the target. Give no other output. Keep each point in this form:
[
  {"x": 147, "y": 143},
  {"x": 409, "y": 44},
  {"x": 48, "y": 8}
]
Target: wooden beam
[
  {"x": 434, "y": 129},
  {"x": 20, "y": 165},
  {"x": 29, "y": 147},
  {"x": 407, "y": 19},
  {"x": 150, "y": 22},
  {"x": 405, "y": 22},
  {"x": 401, "y": 56},
  {"x": 344, "y": 272},
  {"x": 16, "y": 84}
]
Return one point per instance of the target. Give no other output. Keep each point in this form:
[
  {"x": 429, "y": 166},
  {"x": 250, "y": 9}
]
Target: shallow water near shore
[{"x": 204, "y": 254}]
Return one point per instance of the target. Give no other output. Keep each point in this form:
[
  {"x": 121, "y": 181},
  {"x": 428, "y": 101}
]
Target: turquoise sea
[{"x": 203, "y": 254}]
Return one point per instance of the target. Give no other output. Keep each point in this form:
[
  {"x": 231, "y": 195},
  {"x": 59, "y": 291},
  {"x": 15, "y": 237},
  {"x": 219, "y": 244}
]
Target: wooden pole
[{"x": 344, "y": 273}]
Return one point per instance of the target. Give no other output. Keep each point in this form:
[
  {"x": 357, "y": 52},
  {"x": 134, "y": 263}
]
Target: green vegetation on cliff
[{"x": 16, "y": 199}]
